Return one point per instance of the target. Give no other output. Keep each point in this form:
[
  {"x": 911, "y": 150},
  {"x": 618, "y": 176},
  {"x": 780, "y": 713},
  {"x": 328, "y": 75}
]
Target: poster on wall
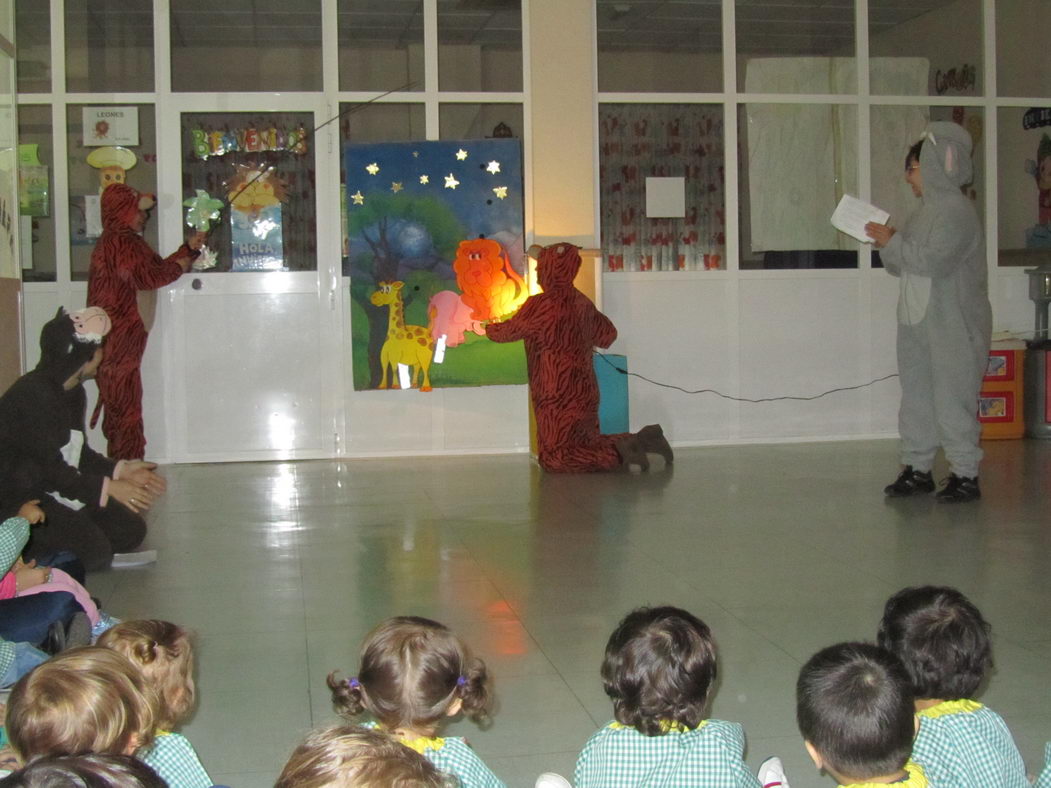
[
  {"x": 435, "y": 252},
  {"x": 256, "y": 229},
  {"x": 111, "y": 126},
  {"x": 1036, "y": 123}
]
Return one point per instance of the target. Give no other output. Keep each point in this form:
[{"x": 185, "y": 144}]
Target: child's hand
[
  {"x": 31, "y": 511},
  {"x": 29, "y": 575}
]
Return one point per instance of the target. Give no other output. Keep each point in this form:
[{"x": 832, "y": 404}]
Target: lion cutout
[{"x": 491, "y": 287}]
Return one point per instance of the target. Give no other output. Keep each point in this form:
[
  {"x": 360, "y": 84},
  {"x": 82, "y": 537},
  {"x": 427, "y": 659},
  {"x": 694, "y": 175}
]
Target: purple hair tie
[
  {"x": 353, "y": 683},
  {"x": 461, "y": 681}
]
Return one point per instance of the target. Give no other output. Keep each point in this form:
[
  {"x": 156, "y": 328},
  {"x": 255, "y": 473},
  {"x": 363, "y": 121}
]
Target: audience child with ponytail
[
  {"x": 163, "y": 654},
  {"x": 414, "y": 675}
]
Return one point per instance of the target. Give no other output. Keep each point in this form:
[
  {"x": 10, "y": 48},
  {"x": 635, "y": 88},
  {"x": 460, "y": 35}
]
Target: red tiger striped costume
[
  {"x": 561, "y": 328},
  {"x": 122, "y": 264}
]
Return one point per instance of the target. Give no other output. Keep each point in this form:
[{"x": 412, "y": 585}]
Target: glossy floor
[{"x": 282, "y": 567}]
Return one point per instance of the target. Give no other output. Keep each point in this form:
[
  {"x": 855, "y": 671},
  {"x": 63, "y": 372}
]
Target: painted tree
[{"x": 394, "y": 230}]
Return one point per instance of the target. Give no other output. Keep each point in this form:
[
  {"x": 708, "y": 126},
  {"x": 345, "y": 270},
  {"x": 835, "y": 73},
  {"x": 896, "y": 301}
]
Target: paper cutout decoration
[
  {"x": 255, "y": 195},
  {"x": 203, "y": 210},
  {"x": 112, "y": 164}
]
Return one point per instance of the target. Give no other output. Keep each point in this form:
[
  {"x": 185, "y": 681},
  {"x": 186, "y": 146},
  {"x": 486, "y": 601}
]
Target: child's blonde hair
[
  {"x": 163, "y": 652},
  {"x": 412, "y": 672},
  {"x": 86, "y": 699},
  {"x": 345, "y": 755}
]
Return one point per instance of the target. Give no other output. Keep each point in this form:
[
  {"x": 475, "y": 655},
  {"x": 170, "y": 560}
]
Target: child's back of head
[
  {"x": 941, "y": 639},
  {"x": 91, "y": 770},
  {"x": 414, "y": 672},
  {"x": 854, "y": 706},
  {"x": 347, "y": 755},
  {"x": 658, "y": 669},
  {"x": 86, "y": 699},
  {"x": 163, "y": 653}
]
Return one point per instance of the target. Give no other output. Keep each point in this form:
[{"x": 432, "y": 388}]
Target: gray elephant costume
[{"x": 944, "y": 316}]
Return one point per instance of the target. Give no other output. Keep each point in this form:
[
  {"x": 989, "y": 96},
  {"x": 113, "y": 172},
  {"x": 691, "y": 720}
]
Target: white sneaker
[
  {"x": 141, "y": 558},
  {"x": 772, "y": 774},
  {"x": 552, "y": 780}
]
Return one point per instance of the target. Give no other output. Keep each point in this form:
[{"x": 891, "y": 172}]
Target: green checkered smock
[
  {"x": 453, "y": 755},
  {"x": 710, "y": 755},
  {"x": 14, "y": 533},
  {"x": 175, "y": 760},
  {"x": 963, "y": 744},
  {"x": 1044, "y": 780}
]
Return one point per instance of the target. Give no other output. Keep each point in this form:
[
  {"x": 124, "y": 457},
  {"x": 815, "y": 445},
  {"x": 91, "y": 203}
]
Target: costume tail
[{"x": 95, "y": 414}]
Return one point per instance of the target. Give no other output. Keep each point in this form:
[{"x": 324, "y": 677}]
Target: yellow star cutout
[
  {"x": 500, "y": 192},
  {"x": 493, "y": 167},
  {"x": 395, "y": 187},
  {"x": 358, "y": 198},
  {"x": 373, "y": 168},
  {"x": 451, "y": 182},
  {"x": 461, "y": 154},
  {"x": 425, "y": 179}
]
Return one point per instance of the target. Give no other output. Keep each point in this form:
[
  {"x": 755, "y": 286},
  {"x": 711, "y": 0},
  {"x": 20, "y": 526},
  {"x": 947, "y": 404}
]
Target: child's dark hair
[
  {"x": 412, "y": 671},
  {"x": 941, "y": 639},
  {"x": 89, "y": 770},
  {"x": 914, "y": 154},
  {"x": 659, "y": 667},
  {"x": 854, "y": 706}
]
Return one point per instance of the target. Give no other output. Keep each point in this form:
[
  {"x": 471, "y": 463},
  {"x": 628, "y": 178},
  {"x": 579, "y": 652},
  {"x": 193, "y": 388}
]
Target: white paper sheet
[{"x": 851, "y": 216}]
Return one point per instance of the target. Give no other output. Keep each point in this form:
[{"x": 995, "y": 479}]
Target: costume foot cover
[
  {"x": 652, "y": 439},
  {"x": 629, "y": 447},
  {"x": 910, "y": 482}
]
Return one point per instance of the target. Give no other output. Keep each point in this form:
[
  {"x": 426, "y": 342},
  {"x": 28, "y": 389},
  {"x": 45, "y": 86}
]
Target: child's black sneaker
[
  {"x": 910, "y": 482},
  {"x": 959, "y": 489}
]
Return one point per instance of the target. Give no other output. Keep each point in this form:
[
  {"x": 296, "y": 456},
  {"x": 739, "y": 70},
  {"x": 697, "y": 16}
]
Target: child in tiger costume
[
  {"x": 121, "y": 265},
  {"x": 561, "y": 328}
]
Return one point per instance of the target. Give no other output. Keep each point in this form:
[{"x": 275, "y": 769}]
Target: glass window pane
[
  {"x": 36, "y": 176},
  {"x": 479, "y": 45},
  {"x": 136, "y": 165},
  {"x": 264, "y": 163},
  {"x": 380, "y": 44},
  {"x": 1024, "y": 187},
  {"x": 478, "y": 121},
  {"x": 659, "y": 47},
  {"x": 913, "y": 56},
  {"x": 793, "y": 48},
  {"x": 266, "y": 47},
  {"x": 1022, "y": 65},
  {"x": 682, "y": 143},
  {"x": 33, "y": 28},
  {"x": 109, "y": 46},
  {"x": 796, "y": 162}
]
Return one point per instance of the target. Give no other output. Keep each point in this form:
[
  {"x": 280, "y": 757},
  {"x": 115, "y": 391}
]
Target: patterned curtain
[{"x": 637, "y": 141}]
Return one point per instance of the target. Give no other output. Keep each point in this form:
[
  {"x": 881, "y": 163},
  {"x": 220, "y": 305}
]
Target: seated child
[
  {"x": 163, "y": 654},
  {"x": 854, "y": 709},
  {"x": 19, "y": 579},
  {"x": 85, "y": 771},
  {"x": 349, "y": 755},
  {"x": 658, "y": 671},
  {"x": 414, "y": 675},
  {"x": 943, "y": 642},
  {"x": 85, "y": 699},
  {"x": 16, "y": 660}
]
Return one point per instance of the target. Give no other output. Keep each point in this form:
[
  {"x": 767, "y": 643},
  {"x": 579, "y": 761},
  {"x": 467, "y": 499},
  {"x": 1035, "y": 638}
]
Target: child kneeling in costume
[{"x": 854, "y": 709}]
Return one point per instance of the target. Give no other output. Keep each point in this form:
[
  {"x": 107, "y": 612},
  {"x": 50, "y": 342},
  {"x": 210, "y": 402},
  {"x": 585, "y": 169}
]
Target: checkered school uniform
[
  {"x": 1044, "y": 780},
  {"x": 173, "y": 757},
  {"x": 619, "y": 756},
  {"x": 914, "y": 778},
  {"x": 453, "y": 755},
  {"x": 963, "y": 744}
]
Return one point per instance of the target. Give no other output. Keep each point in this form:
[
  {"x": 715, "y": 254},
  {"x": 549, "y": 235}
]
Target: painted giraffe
[{"x": 409, "y": 345}]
